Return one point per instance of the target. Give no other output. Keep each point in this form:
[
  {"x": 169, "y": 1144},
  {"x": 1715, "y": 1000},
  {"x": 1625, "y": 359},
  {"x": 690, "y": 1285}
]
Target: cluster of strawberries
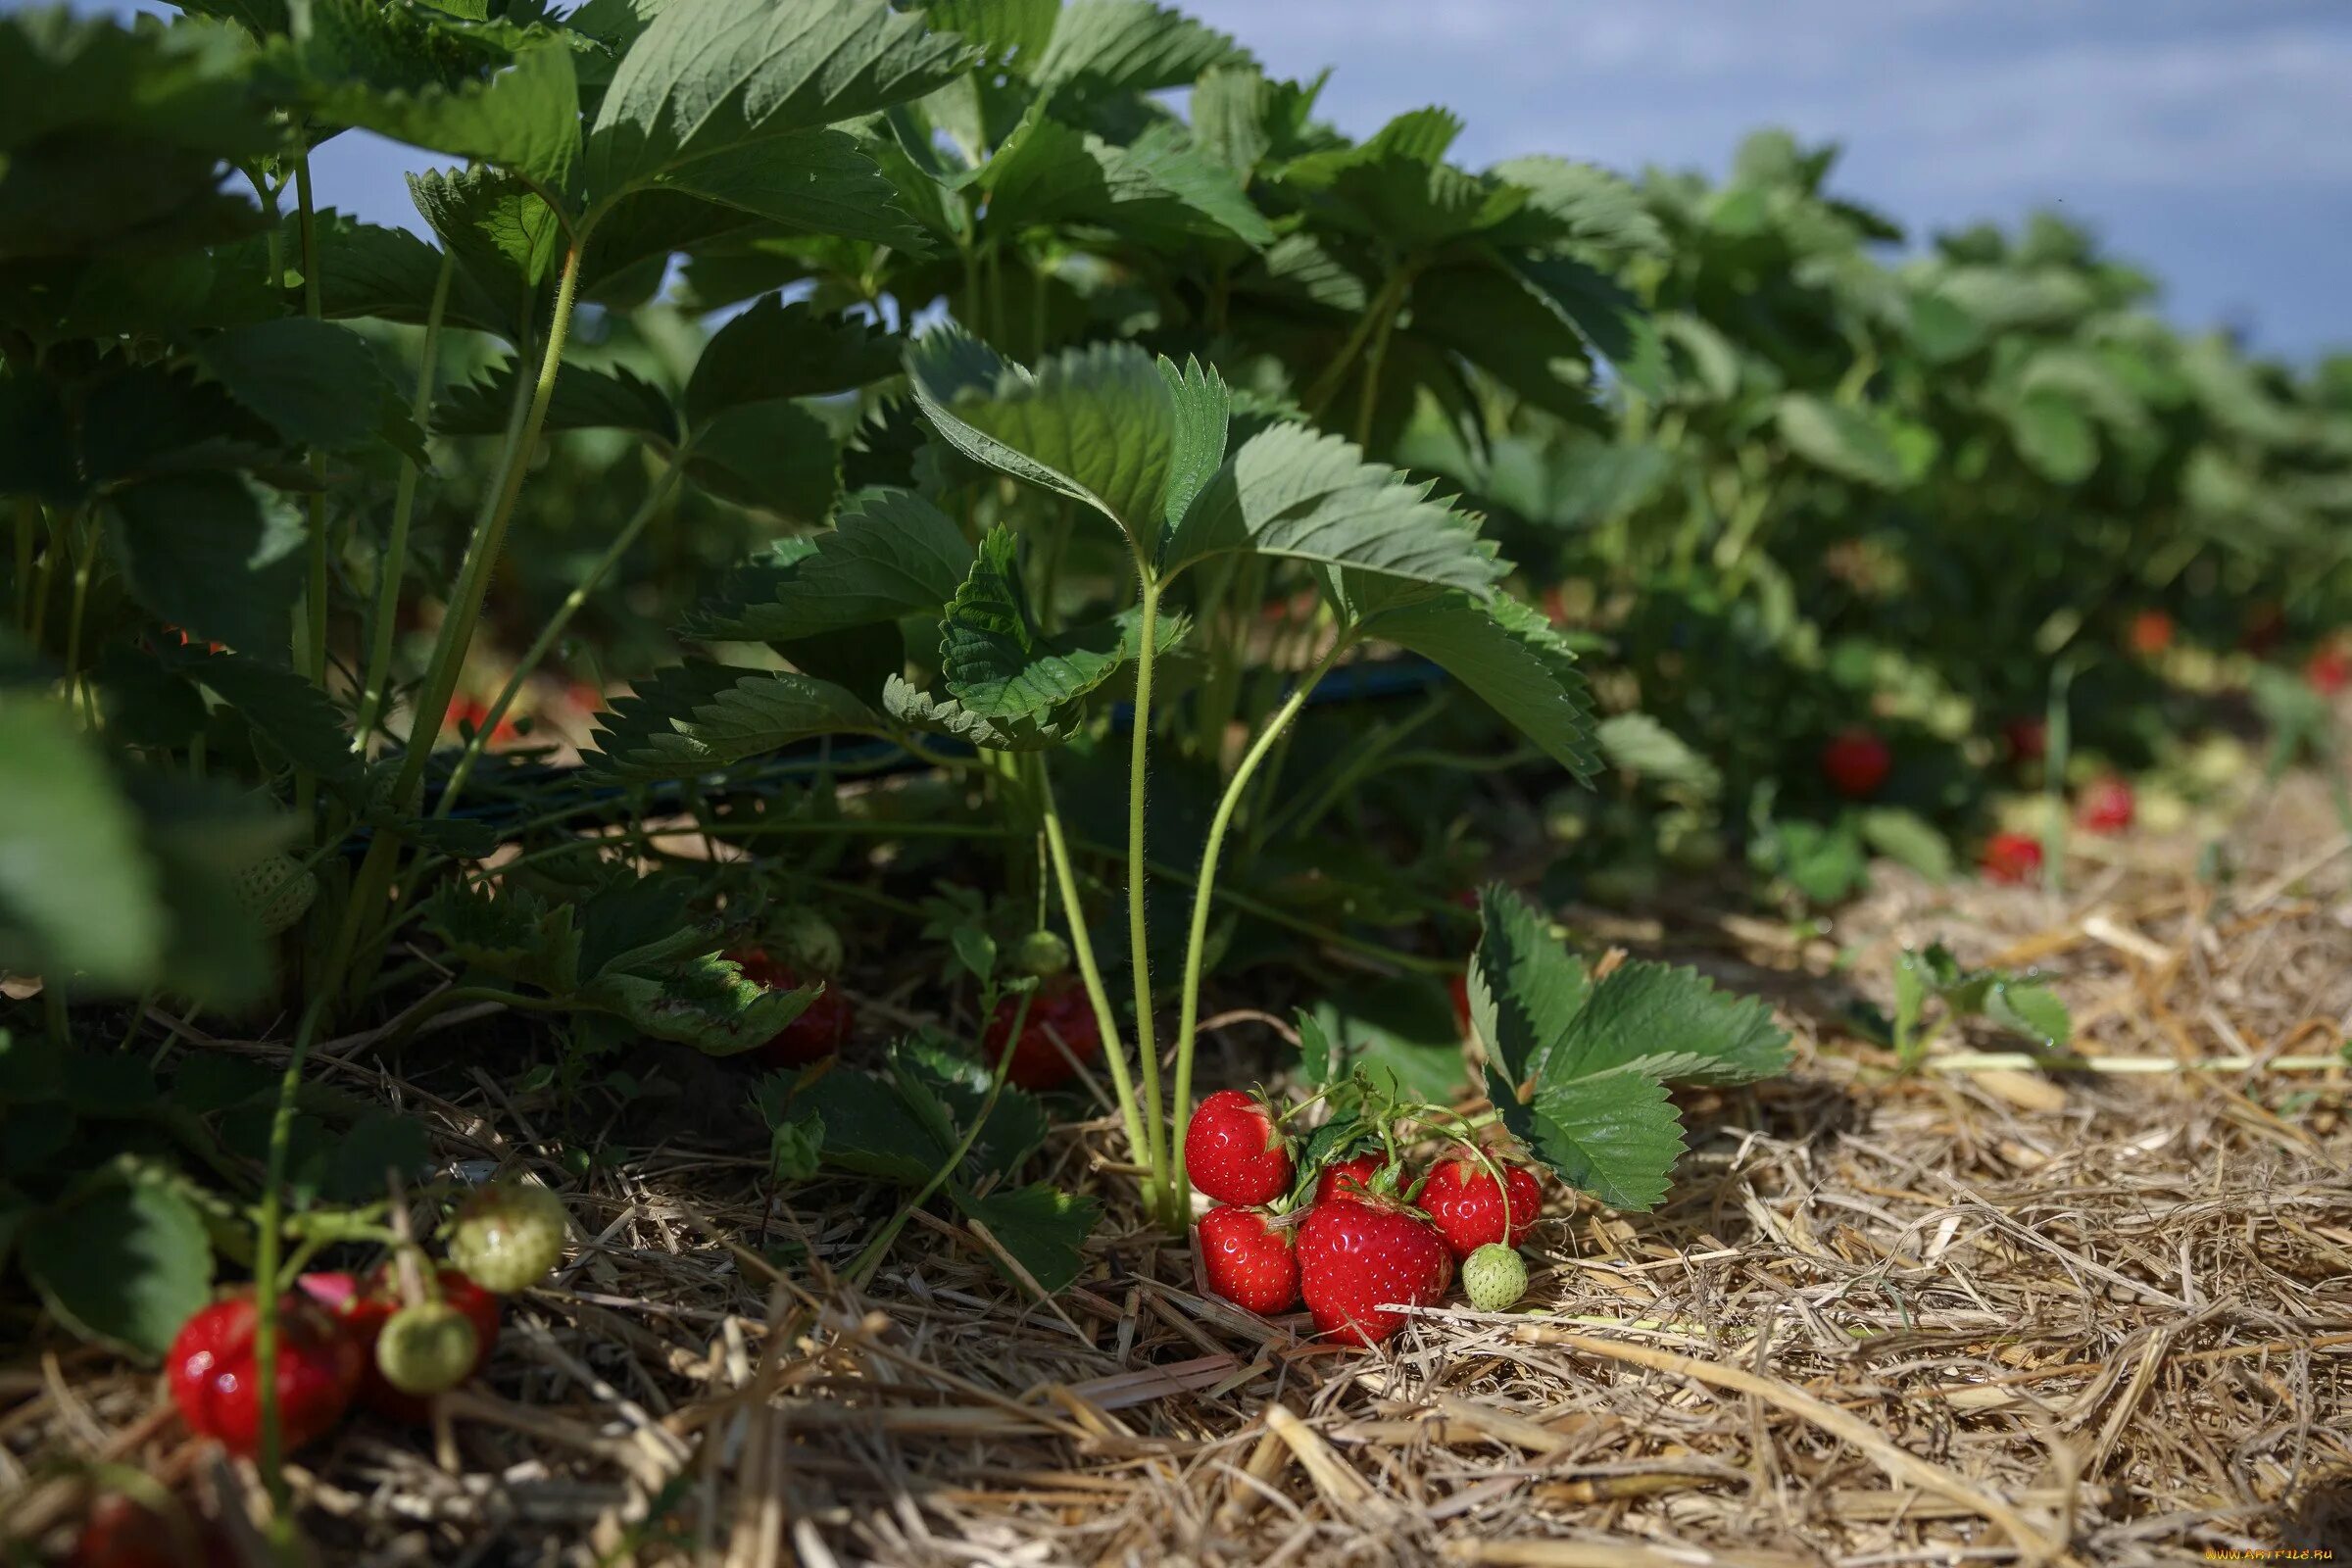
[
  {"x": 1354, "y": 1237},
  {"x": 802, "y": 947},
  {"x": 377, "y": 1341},
  {"x": 345, "y": 1339},
  {"x": 1856, "y": 761}
]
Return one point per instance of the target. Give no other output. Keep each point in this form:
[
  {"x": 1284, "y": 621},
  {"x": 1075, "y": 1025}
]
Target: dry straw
[{"x": 1992, "y": 1313}]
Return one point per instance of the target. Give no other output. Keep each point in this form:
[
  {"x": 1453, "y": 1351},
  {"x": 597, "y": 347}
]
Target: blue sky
[{"x": 2209, "y": 140}]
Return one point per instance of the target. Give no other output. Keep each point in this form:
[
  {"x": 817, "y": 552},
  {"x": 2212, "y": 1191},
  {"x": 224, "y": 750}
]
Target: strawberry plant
[
  {"x": 1933, "y": 992},
  {"x": 828, "y": 489}
]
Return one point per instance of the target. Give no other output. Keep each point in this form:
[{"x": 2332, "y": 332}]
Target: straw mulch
[{"x": 2004, "y": 1315}]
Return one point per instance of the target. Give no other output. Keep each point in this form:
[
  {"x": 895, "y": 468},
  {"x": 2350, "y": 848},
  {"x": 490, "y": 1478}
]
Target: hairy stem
[
  {"x": 489, "y": 540},
  {"x": 1082, "y": 947},
  {"x": 394, "y": 564},
  {"x": 313, "y": 640},
  {"x": 1204, "y": 898},
  {"x": 1138, "y": 937},
  {"x": 374, "y": 880}
]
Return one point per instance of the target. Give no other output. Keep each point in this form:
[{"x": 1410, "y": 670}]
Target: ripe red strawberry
[
  {"x": 2108, "y": 806},
  {"x": 216, "y": 1383},
  {"x": 123, "y": 1533},
  {"x": 466, "y": 715},
  {"x": 2011, "y": 857},
  {"x": 822, "y": 1027},
  {"x": 2329, "y": 670},
  {"x": 1235, "y": 1152},
  {"x": 2151, "y": 633},
  {"x": 1356, "y": 1258},
  {"x": 1857, "y": 763},
  {"x": 1458, "y": 986},
  {"x": 1345, "y": 1181},
  {"x": 2028, "y": 739},
  {"x": 364, "y": 1307},
  {"x": 1249, "y": 1262},
  {"x": 1465, "y": 1205},
  {"x": 1056, "y": 1007}
]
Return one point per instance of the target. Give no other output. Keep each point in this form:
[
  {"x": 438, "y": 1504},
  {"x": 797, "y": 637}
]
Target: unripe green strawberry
[
  {"x": 805, "y": 941},
  {"x": 1494, "y": 1277},
  {"x": 508, "y": 1236},
  {"x": 276, "y": 891},
  {"x": 426, "y": 1349},
  {"x": 1042, "y": 953}
]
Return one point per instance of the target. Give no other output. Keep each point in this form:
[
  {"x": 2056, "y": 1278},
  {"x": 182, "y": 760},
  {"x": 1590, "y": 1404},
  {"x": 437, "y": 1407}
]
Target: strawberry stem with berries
[{"x": 1204, "y": 895}]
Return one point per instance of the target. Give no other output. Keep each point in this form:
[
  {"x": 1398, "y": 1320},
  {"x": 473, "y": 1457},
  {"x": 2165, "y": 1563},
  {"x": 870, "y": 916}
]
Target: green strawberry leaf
[
  {"x": 370, "y": 270},
  {"x": 288, "y": 710},
  {"x": 218, "y": 554},
  {"x": 1043, "y": 1229},
  {"x": 1103, "y": 48},
  {"x": 494, "y": 94},
  {"x": 999, "y": 666},
  {"x": 315, "y": 382},
  {"x": 1849, "y": 444},
  {"x": 704, "y": 1002},
  {"x": 775, "y": 350},
  {"x": 1503, "y": 651},
  {"x": 1293, "y": 492},
  {"x": 1578, "y": 1068},
  {"x": 914, "y": 709},
  {"x": 772, "y": 456},
  {"x": 890, "y": 553},
  {"x": 501, "y": 234},
  {"x": 1637, "y": 743},
  {"x": 515, "y": 935},
  {"x": 710, "y": 79},
  {"x": 584, "y": 399},
  {"x": 1104, "y": 425},
  {"x": 125, "y": 1264},
  {"x": 699, "y": 717},
  {"x": 79, "y": 893},
  {"x": 2031, "y": 1010}
]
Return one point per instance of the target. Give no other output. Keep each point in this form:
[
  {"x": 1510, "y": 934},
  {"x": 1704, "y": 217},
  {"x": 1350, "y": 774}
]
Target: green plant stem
[
  {"x": 270, "y": 1239},
  {"x": 1196, "y": 943},
  {"x": 870, "y": 1257},
  {"x": 1368, "y": 754},
  {"x": 394, "y": 564},
  {"x": 1082, "y": 947},
  {"x": 489, "y": 540},
  {"x": 2057, "y": 744},
  {"x": 1272, "y": 914},
  {"x": 1368, "y": 399},
  {"x": 654, "y": 500},
  {"x": 374, "y": 880},
  {"x": 1139, "y": 936},
  {"x": 314, "y": 504},
  {"x": 1335, "y": 375}
]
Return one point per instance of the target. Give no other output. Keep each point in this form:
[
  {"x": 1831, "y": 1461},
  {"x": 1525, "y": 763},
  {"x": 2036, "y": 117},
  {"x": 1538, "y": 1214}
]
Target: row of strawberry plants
[{"x": 1224, "y": 405}]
